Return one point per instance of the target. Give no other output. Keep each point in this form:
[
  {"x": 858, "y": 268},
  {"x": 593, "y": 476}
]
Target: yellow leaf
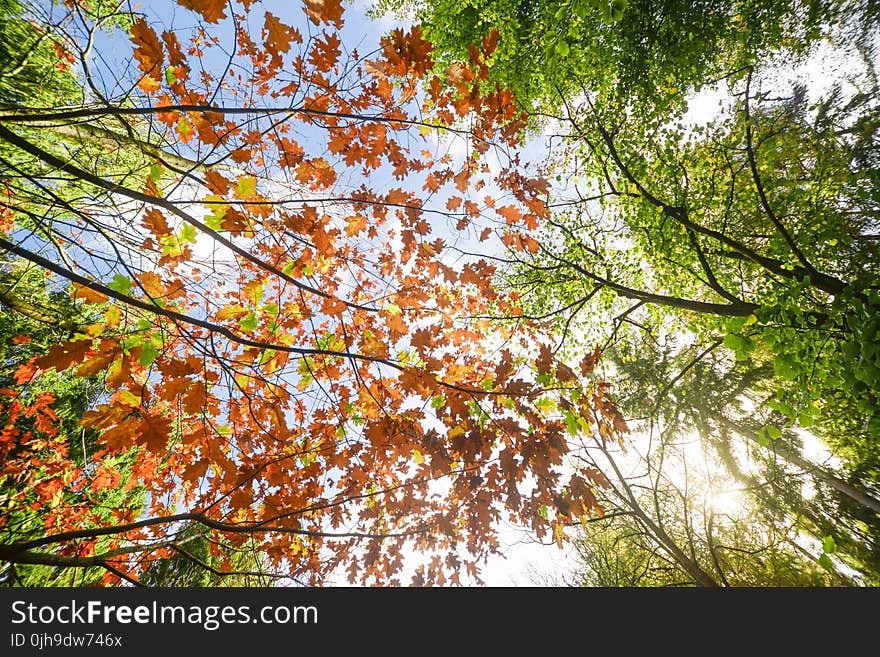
[
  {"x": 149, "y": 85},
  {"x": 127, "y": 398},
  {"x": 246, "y": 187}
]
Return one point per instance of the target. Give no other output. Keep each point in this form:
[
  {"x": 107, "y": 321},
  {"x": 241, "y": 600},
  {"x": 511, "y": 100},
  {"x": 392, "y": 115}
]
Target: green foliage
[
  {"x": 621, "y": 553},
  {"x": 69, "y": 454},
  {"x": 638, "y": 52},
  {"x": 201, "y": 560}
]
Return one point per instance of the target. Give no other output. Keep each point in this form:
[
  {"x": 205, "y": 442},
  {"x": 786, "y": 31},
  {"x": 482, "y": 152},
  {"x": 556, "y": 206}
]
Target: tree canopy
[
  {"x": 290, "y": 337},
  {"x": 313, "y": 308},
  {"x": 746, "y": 240}
]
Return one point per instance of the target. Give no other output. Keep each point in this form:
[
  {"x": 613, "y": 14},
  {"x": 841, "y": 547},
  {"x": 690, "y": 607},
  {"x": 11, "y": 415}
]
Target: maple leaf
[
  {"x": 154, "y": 221},
  {"x": 97, "y": 363},
  {"x": 106, "y": 477},
  {"x": 212, "y": 11},
  {"x": 148, "y": 84},
  {"x": 148, "y": 50},
  {"x": 279, "y": 35},
  {"x": 333, "y": 306},
  {"x": 325, "y": 53},
  {"x": 61, "y": 356},
  {"x": 355, "y": 225},
  {"x": 511, "y": 213},
  {"x": 153, "y": 432},
  {"x": 324, "y": 11}
]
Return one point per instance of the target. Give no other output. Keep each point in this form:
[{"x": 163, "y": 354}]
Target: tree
[
  {"x": 287, "y": 381},
  {"x": 753, "y": 234},
  {"x": 48, "y": 470},
  {"x": 644, "y": 55},
  {"x": 702, "y": 413}
]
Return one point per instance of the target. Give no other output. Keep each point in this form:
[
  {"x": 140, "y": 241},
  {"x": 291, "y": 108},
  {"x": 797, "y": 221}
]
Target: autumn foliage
[{"x": 295, "y": 331}]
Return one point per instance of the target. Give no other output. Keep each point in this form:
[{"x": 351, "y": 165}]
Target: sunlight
[{"x": 727, "y": 502}]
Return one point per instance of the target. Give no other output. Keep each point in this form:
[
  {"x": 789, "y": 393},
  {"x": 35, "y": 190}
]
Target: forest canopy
[{"x": 290, "y": 299}]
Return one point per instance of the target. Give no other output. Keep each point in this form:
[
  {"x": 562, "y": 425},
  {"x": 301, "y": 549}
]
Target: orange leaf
[
  {"x": 326, "y": 53},
  {"x": 61, "y": 356},
  {"x": 194, "y": 400},
  {"x": 326, "y": 11},
  {"x": 106, "y": 477},
  {"x": 25, "y": 372},
  {"x": 154, "y": 221},
  {"x": 279, "y": 34},
  {"x": 21, "y": 339},
  {"x": 211, "y": 10},
  {"x": 97, "y": 363},
  {"x": 333, "y": 306},
  {"x": 148, "y": 85},
  {"x": 217, "y": 183},
  {"x": 175, "y": 54},
  {"x": 355, "y": 224},
  {"x": 147, "y": 48},
  {"x": 87, "y": 294},
  {"x": 510, "y": 213},
  {"x": 153, "y": 432}
]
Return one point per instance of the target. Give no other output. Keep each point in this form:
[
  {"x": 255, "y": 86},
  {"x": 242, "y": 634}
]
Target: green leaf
[
  {"x": 149, "y": 352},
  {"x": 120, "y": 283},
  {"x": 247, "y": 186},
  {"x": 171, "y": 246},
  {"x": 249, "y": 323},
  {"x": 826, "y": 563},
  {"x": 544, "y": 512},
  {"x": 187, "y": 234},
  {"x": 170, "y": 75},
  {"x": 741, "y": 346},
  {"x": 562, "y": 49},
  {"x": 129, "y": 398},
  {"x": 215, "y": 221},
  {"x": 571, "y": 423},
  {"x": 774, "y": 432},
  {"x": 829, "y": 545}
]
